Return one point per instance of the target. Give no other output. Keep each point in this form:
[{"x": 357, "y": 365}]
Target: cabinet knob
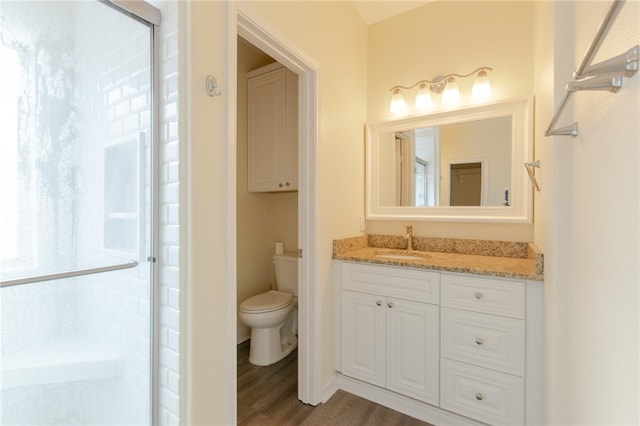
[
  {"x": 379, "y": 302},
  {"x": 288, "y": 184},
  {"x": 390, "y": 304},
  {"x": 478, "y": 295},
  {"x": 479, "y": 396},
  {"x": 280, "y": 185},
  {"x": 479, "y": 341}
]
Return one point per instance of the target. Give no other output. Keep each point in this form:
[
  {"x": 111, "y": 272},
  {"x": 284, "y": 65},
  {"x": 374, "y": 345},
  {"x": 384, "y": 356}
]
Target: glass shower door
[{"x": 75, "y": 214}]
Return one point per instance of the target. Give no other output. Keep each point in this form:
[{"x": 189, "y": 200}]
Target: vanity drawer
[
  {"x": 486, "y": 295},
  {"x": 486, "y": 395},
  {"x": 484, "y": 340},
  {"x": 419, "y": 286}
]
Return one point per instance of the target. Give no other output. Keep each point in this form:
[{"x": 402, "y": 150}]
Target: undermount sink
[{"x": 396, "y": 256}]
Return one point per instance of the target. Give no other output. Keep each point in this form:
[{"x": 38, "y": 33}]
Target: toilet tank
[{"x": 286, "y": 267}]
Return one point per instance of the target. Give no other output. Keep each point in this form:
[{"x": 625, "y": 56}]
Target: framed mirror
[{"x": 462, "y": 165}]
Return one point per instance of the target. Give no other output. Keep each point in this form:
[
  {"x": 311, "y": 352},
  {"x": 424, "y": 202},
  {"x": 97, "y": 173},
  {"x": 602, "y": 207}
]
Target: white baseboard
[
  {"x": 243, "y": 336},
  {"x": 329, "y": 389},
  {"x": 410, "y": 407}
]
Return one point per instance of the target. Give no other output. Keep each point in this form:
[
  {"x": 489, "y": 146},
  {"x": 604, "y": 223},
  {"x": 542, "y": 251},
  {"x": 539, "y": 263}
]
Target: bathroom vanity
[{"x": 446, "y": 337}]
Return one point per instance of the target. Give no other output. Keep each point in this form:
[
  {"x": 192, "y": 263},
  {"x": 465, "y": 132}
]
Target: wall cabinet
[
  {"x": 272, "y": 129},
  {"x": 460, "y": 345}
]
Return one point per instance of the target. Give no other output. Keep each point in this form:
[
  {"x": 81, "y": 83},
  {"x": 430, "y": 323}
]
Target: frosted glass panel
[{"x": 75, "y": 181}]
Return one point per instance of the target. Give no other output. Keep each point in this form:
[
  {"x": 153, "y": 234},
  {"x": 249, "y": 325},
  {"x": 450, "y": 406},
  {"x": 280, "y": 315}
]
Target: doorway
[
  {"x": 466, "y": 184},
  {"x": 260, "y": 34},
  {"x": 267, "y": 210}
]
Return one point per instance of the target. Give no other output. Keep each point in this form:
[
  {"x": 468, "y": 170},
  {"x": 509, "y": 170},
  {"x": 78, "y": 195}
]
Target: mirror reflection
[
  {"x": 464, "y": 164},
  {"x": 459, "y": 164}
]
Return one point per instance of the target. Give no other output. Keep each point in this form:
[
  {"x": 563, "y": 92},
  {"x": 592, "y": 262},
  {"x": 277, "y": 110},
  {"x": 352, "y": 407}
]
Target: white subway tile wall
[
  {"x": 169, "y": 220},
  {"x": 122, "y": 307},
  {"x": 114, "y": 93}
]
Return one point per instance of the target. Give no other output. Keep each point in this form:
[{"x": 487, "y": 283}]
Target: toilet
[{"x": 273, "y": 316}]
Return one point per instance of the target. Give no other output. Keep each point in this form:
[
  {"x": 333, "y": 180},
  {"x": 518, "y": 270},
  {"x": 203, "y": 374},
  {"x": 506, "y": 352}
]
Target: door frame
[{"x": 244, "y": 21}]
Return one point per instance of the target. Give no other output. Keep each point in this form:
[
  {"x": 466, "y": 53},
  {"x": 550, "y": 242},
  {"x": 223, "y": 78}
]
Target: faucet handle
[{"x": 409, "y": 230}]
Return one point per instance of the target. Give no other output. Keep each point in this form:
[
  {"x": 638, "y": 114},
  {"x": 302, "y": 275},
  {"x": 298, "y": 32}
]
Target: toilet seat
[{"x": 267, "y": 302}]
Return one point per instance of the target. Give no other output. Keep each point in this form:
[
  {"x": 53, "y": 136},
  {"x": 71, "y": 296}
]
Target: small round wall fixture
[{"x": 211, "y": 85}]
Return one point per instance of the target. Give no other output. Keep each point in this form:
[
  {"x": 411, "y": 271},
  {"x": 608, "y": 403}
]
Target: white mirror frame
[{"x": 521, "y": 208}]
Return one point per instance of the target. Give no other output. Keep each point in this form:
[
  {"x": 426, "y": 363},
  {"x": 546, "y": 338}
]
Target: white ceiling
[{"x": 374, "y": 11}]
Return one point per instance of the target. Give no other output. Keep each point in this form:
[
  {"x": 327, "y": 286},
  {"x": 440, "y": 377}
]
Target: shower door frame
[{"x": 151, "y": 16}]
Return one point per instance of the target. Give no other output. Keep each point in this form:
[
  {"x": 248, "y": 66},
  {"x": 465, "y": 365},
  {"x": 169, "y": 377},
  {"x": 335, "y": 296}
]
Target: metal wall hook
[
  {"x": 211, "y": 85},
  {"x": 531, "y": 166}
]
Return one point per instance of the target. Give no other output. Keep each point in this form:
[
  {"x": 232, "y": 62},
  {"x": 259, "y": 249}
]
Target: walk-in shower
[{"x": 76, "y": 213}]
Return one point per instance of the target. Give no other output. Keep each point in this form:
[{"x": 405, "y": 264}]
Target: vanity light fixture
[
  {"x": 444, "y": 85},
  {"x": 397, "y": 103},
  {"x": 481, "y": 90},
  {"x": 451, "y": 94}
]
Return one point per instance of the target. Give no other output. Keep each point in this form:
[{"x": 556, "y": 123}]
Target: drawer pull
[
  {"x": 379, "y": 302},
  {"x": 479, "y": 396},
  {"x": 390, "y": 304},
  {"x": 478, "y": 295},
  {"x": 479, "y": 341}
]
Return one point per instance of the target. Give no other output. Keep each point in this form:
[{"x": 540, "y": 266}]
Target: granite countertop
[{"x": 482, "y": 257}]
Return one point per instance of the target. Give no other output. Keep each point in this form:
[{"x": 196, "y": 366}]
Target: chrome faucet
[{"x": 409, "y": 238}]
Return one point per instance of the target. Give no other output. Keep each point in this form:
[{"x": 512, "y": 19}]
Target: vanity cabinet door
[
  {"x": 363, "y": 336},
  {"x": 413, "y": 349}
]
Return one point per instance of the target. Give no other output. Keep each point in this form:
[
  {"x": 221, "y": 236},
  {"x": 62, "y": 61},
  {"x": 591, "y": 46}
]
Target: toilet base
[{"x": 266, "y": 348}]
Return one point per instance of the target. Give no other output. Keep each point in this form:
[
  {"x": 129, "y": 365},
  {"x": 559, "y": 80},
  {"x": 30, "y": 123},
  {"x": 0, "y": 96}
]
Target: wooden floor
[{"x": 269, "y": 396}]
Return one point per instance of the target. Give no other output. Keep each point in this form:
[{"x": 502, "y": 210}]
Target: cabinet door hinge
[{"x": 151, "y": 259}]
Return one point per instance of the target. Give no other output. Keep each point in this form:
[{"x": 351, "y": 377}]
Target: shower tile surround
[
  {"x": 116, "y": 306},
  {"x": 482, "y": 257}
]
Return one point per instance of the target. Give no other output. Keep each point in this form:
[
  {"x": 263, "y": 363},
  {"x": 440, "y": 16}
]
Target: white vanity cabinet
[
  {"x": 442, "y": 347},
  {"x": 389, "y": 329},
  {"x": 272, "y": 129}
]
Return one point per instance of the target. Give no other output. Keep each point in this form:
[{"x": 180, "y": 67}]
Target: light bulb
[
  {"x": 451, "y": 94},
  {"x": 481, "y": 87},
  {"x": 397, "y": 103},
  {"x": 423, "y": 98}
]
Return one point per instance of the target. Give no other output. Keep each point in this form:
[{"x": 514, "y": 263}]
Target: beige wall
[
  {"x": 591, "y": 247},
  {"x": 605, "y": 252},
  {"x": 205, "y": 262},
  {"x": 587, "y": 223},
  {"x": 262, "y": 218},
  {"x": 489, "y": 140},
  {"x": 452, "y": 37},
  {"x": 334, "y": 36},
  {"x": 551, "y": 224}
]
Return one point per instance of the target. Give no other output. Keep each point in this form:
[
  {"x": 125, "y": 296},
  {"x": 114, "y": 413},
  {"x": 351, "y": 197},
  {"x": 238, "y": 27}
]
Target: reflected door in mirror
[{"x": 466, "y": 184}]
